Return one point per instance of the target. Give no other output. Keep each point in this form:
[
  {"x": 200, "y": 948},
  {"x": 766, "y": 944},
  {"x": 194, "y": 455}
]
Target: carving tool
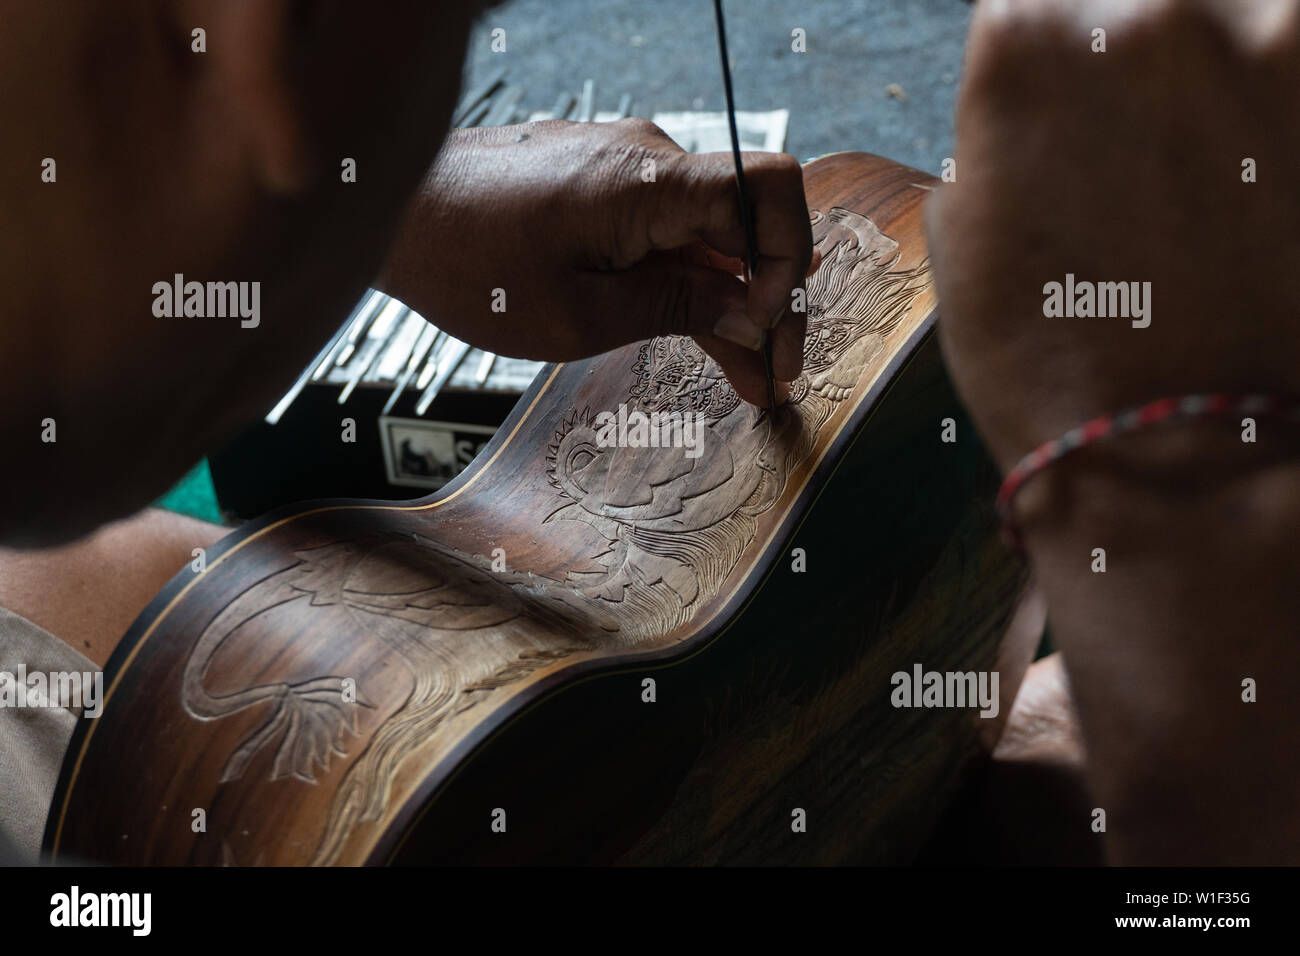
[
  {"x": 397, "y": 355},
  {"x": 563, "y": 106},
  {"x": 746, "y": 213},
  {"x": 478, "y": 96},
  {"x": 448, "y": 362},
  {"x": 431, "y": 361},
  {"x": 368, "y": 350},
  {"x": 324, "y": 359},
  {"x": 502, "y": 112},
  {"x": 388, "y": 339},
  {"x": 485, "y": 368},
  {"x": 421, "y": 349},
  {"x": 587, "y": 104},
  {"x": 360, "y": 329}
]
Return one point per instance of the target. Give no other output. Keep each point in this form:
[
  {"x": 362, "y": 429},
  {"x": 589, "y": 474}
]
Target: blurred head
[
  {"x": 216, "y": 153},
  {"x": 147, "y": 138}
]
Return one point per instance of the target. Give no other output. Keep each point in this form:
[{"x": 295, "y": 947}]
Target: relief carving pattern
[
  {"x": 673, "y": 528},
  {"x": 676, "y": 526}
]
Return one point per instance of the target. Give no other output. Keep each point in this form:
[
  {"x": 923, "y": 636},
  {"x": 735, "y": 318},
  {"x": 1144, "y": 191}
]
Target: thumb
[{"x": 681, "y": 298}]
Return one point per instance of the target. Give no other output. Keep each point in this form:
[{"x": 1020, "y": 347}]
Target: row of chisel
[
  {"x": 494, "y": 102},
  {"x": 383, "y": 340}
]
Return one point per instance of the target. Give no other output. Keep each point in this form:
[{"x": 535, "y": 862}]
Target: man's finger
[
  {"x": 698, "y": 201},
  {"x": 661, "y": 296},
  {"x": 784, "y": 236},
  {"x": 666, "y": 296},
  {"x": 743, "y": 368},
  {"x": 787, "y": 346}
]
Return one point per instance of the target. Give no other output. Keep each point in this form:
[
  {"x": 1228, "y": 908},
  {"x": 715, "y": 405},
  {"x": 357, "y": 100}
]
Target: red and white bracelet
[{"x": 1107, "y": 426}]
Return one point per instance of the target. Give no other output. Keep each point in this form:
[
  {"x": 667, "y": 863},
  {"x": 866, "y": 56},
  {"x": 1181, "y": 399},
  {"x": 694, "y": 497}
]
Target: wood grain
[{"x": 362, "y": 682}]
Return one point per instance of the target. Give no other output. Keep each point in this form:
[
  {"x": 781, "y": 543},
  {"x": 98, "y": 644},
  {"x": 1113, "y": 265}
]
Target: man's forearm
[{"x": 1182, "y": 652}]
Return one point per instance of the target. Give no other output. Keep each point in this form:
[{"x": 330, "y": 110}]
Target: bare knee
[{"x": 87, "y": 593}]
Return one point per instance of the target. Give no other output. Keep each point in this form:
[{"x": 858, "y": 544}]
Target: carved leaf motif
[
  {"x": 310, "y": 718},
  {"x": 322, "y": 572}
]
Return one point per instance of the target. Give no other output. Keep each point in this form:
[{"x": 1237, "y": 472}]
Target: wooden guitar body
[{"x": 579, "y": 652}]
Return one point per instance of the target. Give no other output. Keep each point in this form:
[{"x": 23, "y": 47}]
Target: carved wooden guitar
[{"x": 596, "y": 653}]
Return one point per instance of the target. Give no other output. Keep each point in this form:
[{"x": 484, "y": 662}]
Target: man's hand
[
  {"x": 556, "y": 241},
  {"x": 1120, "y": 166}
]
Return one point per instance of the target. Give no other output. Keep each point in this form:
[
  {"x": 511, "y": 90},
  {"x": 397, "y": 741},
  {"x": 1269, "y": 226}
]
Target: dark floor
[{"x": 664, "y": 52}]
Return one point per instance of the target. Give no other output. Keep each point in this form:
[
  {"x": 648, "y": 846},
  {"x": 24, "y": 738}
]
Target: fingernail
[
  {"x": 782, "y": 392},
  {"x": 736, "y": 327}
]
